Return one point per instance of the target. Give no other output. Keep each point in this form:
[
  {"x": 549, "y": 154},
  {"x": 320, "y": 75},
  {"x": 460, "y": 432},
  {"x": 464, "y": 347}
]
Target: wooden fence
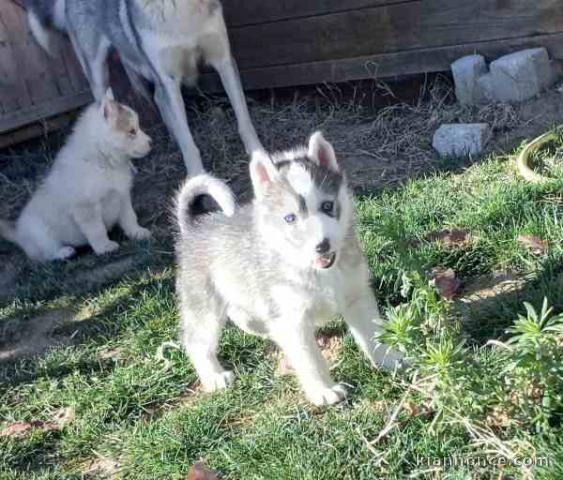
[{"x": 298, "y": 42}]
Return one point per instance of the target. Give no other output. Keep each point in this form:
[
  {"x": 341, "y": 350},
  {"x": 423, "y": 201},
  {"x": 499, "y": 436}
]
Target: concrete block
[
  {"x": 466, "y": 72},
  {"x": 486, "y": 89},
  {"x": 461, "y": 140},
  {"x": 521, "y": 75}
]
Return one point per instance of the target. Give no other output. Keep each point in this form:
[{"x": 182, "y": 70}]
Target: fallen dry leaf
[
  {"x": 446, "y": 282},
  {"x": 62, "y": 417},
  {"x": 18, "y": 429},
  {"x": 200, "y": 472},
  {"x": 411, "y": 409},
  {"x": 498, "y": 417},
  {"x": 330, "y": 345},
  {"x": 111, "y": 354},
  {"x": 103, "y": 468},
  {"x": 454, "y": 238},
  {"x": 533, "y": 243}
]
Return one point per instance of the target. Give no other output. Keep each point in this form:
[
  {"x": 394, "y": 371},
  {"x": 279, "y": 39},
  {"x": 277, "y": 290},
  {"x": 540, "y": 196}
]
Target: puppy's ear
[
  {"x": 110, "y": 108},
  {"x": 262, "y": 173},
  {"x": 322, "y": 153}
]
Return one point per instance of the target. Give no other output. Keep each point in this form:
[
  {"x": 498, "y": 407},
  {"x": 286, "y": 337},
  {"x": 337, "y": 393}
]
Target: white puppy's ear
[
  {"x": 109, "y": 107},
  {"x": 262, "y": 173},
  {"x": 321, "y": 152}
]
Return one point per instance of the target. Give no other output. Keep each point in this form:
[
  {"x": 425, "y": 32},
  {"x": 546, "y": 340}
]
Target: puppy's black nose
[{"x": 323, "y": 247}]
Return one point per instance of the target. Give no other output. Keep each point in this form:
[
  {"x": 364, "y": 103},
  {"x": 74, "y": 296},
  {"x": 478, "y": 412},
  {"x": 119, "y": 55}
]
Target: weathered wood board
[
  {"x": 299, "y": 42},
  {"x": 33, "y": 85}
]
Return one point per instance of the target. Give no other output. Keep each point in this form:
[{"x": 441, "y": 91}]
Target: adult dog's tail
[
  {"x": 8, "y": 231},
  {"x": 195, "y": 187},
  {"x": 41, "y": 20}
]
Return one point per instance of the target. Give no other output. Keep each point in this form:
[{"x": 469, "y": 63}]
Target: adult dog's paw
[
  {"x": 218, "y": 381},
  {"x": 327, "y": 396}
]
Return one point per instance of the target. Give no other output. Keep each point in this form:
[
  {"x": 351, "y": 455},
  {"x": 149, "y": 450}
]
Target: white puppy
[{"x": 88, "y": 189}]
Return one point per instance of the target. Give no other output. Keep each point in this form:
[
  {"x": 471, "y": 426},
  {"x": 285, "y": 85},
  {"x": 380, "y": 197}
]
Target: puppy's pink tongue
[
  {"x": 320, "y": 262},
  {"x": 324, "y": 261}
]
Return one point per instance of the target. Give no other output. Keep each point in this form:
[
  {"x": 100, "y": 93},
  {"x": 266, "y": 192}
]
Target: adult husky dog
[
  {"x": 160, "y": 40},
  {"x": 279, "y": 267}
]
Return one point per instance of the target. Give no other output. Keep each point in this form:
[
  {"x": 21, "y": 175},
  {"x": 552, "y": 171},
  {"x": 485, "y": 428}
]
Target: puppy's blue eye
[
  {"x": 327, "y": 207},
  {"x": 290, "y": 218}
]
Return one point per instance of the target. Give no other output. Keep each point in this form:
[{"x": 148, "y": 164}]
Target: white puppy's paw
[
  {"x": 327, "y": 396},
  {"x": 140, "y": 233},
  {"x": 65, "y": 252},
  {"x": 218, "y": 381},
  {"x": 107, "y": 247}
]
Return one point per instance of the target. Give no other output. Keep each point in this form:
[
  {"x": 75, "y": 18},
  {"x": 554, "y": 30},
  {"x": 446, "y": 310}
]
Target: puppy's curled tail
[
  {"x": 202, "y": 185},
  {"x": 7, "y": 231}
]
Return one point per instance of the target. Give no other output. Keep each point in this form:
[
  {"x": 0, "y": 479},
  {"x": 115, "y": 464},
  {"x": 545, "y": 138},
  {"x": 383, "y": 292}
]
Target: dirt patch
[
  {"x": 482, "y": 294},
  {"x": 330, "y": 345},
  {"x": 97, "y": 276},
  {"x": 487, "y": 287},
  {"x": 28, "y": 337},
  {"x": 103, "y": 468}
]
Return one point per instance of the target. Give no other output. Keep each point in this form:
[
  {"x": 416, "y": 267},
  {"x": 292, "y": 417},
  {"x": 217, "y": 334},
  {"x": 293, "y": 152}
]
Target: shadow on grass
[
  {"x": 29, "y": 336},
  {"x": 488, "y": 315}
]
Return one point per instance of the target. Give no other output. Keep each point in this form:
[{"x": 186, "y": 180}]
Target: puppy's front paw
[
  {"x": 327, "y": 396},
  {"x": 107, "y": 247},
  {"x": 218, "y": 381},
  {"x": 139, "y": 234},
  {"x": 65, "y": 253}
]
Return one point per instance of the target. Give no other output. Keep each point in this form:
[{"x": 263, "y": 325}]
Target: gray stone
[
  {"x": 486, "y": 89},
  {"x": 461, "y": 140},
  {"x": 466, "y": 72},
  {"x": 521, "y": 75}
]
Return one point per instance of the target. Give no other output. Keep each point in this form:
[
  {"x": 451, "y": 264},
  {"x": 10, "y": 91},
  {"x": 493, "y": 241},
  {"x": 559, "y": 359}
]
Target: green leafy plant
[{"x": 535, "y": 365}]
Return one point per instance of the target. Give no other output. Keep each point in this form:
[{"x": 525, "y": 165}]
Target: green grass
[{"x": 462, "y": 398}]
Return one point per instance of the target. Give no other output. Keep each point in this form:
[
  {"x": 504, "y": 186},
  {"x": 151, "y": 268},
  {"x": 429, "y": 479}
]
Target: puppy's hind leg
[
  {"x": 35, "y": 239},
  {"x": 201, "y": 330}
]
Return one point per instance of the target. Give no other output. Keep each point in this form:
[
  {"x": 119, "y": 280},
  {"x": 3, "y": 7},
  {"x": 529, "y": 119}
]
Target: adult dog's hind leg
[
  {"x": 169, "y": 100},
  {"x": 230, "y": 78},
  {"x": 92, "y": 55}
]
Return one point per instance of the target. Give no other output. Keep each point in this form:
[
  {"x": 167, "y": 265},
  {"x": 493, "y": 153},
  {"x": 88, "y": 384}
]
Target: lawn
[{"x": 481, "y": 399}]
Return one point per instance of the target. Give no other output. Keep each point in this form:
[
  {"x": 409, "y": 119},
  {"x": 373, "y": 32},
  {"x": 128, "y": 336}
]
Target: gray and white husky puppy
[
  {"x": 159, "y": 40},
  {"x": 279, "y": 267},
  {"x": 88, "y": 189}
]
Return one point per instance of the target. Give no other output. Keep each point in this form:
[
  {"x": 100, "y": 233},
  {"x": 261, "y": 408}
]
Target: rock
[
  {"x": 466, "y": 72},
  {"x": 521, "y": 75},
  {"x": 461, "y": 140},
  {"x": 485, "y": 86}
]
